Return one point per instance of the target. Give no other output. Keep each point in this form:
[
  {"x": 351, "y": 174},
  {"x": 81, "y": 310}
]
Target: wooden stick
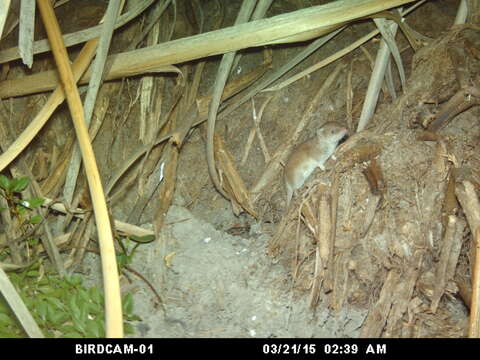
[
  {"x": 474, "y": 325},
  {"x": 113, "y": 304}
]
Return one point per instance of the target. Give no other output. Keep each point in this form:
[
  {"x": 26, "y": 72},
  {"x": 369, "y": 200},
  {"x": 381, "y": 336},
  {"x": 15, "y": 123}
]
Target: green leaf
[
  {"x": 75, "y": 310},
  {"x": 51, "y": 314},
  {"x": 20, "y": 184},
  {"x": 79, "y": 326},
  {"x": 84, "y": 311},
  {"x": 33, "y": 273},
  {"x": 93, "y": 329},
  {"x": 74, "y": 280},
  {"x": 127, "y": 304},
  {"x": 41, "y": 308},
  {"x": 122, "y": 260},
  {"x": 96, "y": 296},
  {"x": 5, "y": 183},
  {"x": 59, "y": 305},
  {"x": 37, "y": 219},
  {"x": 83, "y": 295},
  {"x": 36, "y": 202},
  {"x": 133, "y": 317},
  {"x": 145, "y": 239},
  {"x": 6, "y": 320},
  {"x": 100, "y": 321},
  {"x": 58, "y": 318},
  {"x": 128, "y": 328}
]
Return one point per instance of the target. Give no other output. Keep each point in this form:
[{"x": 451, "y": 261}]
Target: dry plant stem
[
  {"x": 330, "y": 275},
  {"x": 167, "y": 190},
  {"x": 220, "y": 81},
  {"x": 462, "y": 13},
  {"x": 375, "y": 83},
  {"x": 95, "y": 82},
  {"x": 83, "y": 237},
  {"x": 323, "y": 246},
  {"x": 370, "y": 212},
  {"x": 149, "y": 87},
  {"x": 389, "y": 30},
  {"x": 18, "y": 307},
  {"x": 474, "y": 325},
  {"x": 259, "y": 13},
  {"x": 317, "y": 278},
  {"x": 257, "y": 120},
  {"x": 442, "y": 275},
  {"x": 21, "y": 142},
  {"x": 324, "y": 226},
  {"x": 113, "y": 305},
  {"x": 119, "y": 225},
  {"x": 26, "y": 31},
  {"x": 4, "y": 6},
  {"x": 470, "y": 204},
  {"x": 231, "y": 180},
  {"x": 256, "y": 130},
  {"x": 148, "y": 28},
  {"x": 464, "y": 99}
]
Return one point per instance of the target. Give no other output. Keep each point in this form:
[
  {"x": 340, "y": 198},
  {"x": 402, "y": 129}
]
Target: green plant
[
  {"x": 62, "y": 307},
  {"x": 20, "y": 209}
]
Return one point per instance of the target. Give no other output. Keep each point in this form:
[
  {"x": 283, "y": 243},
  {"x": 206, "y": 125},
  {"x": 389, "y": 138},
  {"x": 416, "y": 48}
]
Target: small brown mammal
[{"x": 311, "y": 154}]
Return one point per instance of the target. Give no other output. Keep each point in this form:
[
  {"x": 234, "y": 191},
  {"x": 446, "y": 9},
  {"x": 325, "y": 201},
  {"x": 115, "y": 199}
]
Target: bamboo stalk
[
  {"x": 474, "y": 328},
  {"x": 113, "y": 305}
]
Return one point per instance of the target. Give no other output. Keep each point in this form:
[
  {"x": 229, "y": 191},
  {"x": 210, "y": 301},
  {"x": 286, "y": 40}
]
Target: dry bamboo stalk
[
  {"x": 113, "y": 304},
  {"x": 474, "y": 325}
]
